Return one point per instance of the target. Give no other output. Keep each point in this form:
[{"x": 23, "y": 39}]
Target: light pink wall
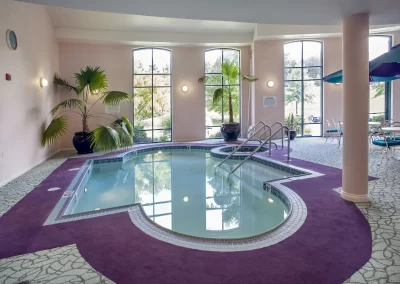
[
  {"x": 268, "y": 60},
  {"x": 188, "y": 109},
  {"x": 333, "y": 94},
  {"x": 117, "y": 63},
  {"x": 24, "y": 105},
  {"x": 268, "y": 66},
  {"x": 396, "y": 87}
]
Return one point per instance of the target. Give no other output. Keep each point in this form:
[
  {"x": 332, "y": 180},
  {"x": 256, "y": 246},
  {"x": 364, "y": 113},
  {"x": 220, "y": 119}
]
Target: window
[
  {"x": 379, "y": 101},
  {"x": 218, "y": 114},
  {"x": 303, "y": 85},
  {"x": 152, "y": 95}
]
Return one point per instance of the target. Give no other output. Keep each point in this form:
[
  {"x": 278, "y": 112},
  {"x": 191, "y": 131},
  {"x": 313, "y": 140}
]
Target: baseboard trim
[
  {"x": 67, "y": 149},
  {"x": 354, "y": 198},
  {"x": 188, "y": 140},
  {"x": 2, "y": 183}
]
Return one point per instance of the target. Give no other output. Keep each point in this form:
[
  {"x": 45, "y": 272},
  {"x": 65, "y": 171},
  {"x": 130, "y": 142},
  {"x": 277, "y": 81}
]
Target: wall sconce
[
  {"x": 43, "y": 82},
  {"x": 185, "y": 88},
  {"x": 271, "y": 84}
]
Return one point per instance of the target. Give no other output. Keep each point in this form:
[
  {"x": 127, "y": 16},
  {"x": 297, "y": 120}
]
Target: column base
[{"x": 354, "y": 198}]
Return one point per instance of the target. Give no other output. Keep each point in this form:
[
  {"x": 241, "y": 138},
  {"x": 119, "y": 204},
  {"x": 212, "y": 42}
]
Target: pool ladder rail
[{"x": 262, "y": 143}]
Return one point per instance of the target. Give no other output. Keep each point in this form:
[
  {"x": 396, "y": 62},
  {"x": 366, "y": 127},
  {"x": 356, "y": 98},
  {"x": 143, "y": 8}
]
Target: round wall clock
[{"x": 11, "y": 40}]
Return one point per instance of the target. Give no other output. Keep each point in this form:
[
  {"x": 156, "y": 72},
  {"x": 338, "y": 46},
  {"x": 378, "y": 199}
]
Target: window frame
[
  {"x": 222, "y": 85},
  {"x": 152, "y": 92},
  {"x": 388, "y": 85},
  {"x": 302, "y": 80}
]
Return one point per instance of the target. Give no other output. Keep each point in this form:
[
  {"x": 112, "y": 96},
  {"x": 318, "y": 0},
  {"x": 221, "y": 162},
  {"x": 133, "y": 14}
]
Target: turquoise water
[{"x": 181, "y": 190}]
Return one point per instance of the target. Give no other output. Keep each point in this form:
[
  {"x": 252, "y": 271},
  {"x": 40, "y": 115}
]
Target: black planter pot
[
  {"x": 81, "y": 142},
  {"x": 292, "y": 134},
  {"x": 230, "y": 131}
]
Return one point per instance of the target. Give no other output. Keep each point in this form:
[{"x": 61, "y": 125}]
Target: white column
[{"x": 356, "y": 107}]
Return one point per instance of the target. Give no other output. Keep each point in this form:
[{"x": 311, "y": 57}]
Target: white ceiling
[
  {"x": 118, "y": 28},
  {"x": 287, "y": 12},
  {"x": 70, "y": 18}
]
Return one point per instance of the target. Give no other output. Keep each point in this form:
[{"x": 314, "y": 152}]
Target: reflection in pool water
[{"x": 181, "y": 190}]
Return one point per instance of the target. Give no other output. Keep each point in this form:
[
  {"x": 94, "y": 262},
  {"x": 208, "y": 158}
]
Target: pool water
[{"x": 182, "y": 191}]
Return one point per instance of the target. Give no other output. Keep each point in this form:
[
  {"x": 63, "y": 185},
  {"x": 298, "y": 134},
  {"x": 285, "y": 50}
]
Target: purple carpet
[{"x": 334, "y": 242}]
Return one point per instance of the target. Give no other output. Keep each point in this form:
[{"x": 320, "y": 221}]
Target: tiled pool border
[{"x": 296, "y": 216}]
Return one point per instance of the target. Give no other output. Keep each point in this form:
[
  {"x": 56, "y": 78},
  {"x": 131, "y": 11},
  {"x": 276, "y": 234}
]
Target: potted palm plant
[
  {"x": 230, "y": 76},
  {"x": 90, "y": 82}
]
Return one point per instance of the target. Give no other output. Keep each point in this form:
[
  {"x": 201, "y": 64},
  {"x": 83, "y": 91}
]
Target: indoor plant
[
  {"x": 230, "y": 76},
  {"x": 292, "y": 122},
  {"x": 307, "y": 132},
  {"x": 90, "y": 82}
]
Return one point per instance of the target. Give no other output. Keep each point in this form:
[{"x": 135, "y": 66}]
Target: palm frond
[
  {"x": 125, "y": 139},
  {"x": 218, "y": 95},
  {"x": 115, "y": 97},
  {"x": 71, "y": 103},
  {"x": 63, "y": 83},
  {"x": 230, "y": 71},
  {"x": 104, "y": 139},
  {"x": 93, "y": 78},
  {"x": 57, "y": 127},
  {"x": 128, "y": 125},
  {"x": 203, "y": 79},
  {"x": 249, "y": 78},
  {"x": 125, "y": 130}
]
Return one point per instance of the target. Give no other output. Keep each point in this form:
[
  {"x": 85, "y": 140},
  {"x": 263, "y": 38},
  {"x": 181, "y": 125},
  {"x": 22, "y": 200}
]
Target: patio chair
[
  {"x": 333, "y": 131},
  {"x": 388, "y": 144}
]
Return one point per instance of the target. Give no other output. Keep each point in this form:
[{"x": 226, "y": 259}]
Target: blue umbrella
[{"x": 384, "y": 68}]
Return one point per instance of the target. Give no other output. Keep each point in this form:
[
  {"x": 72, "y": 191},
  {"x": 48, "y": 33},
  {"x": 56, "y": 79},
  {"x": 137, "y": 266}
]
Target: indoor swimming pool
[{"x": 182, "y": 190}]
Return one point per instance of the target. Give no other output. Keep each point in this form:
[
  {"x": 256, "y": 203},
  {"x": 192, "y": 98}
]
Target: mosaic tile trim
[
  {"x": 245, "y": 150},
  {"x": 295, "y": 220},
  {"x": 59, "y": 265},
  {"x": 277, "y": 193},
  {"x": 131, "y": 154}
]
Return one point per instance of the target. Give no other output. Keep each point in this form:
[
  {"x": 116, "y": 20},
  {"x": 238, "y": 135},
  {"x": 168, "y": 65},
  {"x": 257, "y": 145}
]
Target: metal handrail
[
  {"x": 259, "y": 147},
  {"x": 251, "y": 129},
  {"x": 270, "y": 140},
  {"x": 281, "y": 125},
  {"x": 241, "y": 145}
]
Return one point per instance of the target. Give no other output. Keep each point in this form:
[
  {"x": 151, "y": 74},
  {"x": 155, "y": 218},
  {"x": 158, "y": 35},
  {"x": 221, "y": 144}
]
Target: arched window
[
  {"x": 216, "y": 114},
  {"x": 379, "y": 102},
  {"x": 152, "y": 95},
  {"x": 303, "y": 85}
]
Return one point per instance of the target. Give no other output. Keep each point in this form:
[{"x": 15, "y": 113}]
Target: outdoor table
[
  {"x": 370, "y": 123},
  {"x": 391, "y": 129}
]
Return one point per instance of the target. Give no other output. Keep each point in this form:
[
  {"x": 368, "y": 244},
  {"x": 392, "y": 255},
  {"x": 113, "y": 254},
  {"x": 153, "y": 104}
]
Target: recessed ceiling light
[
  {"x": 270, "y": 200},
  {"x": 186, "y": 199}
]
